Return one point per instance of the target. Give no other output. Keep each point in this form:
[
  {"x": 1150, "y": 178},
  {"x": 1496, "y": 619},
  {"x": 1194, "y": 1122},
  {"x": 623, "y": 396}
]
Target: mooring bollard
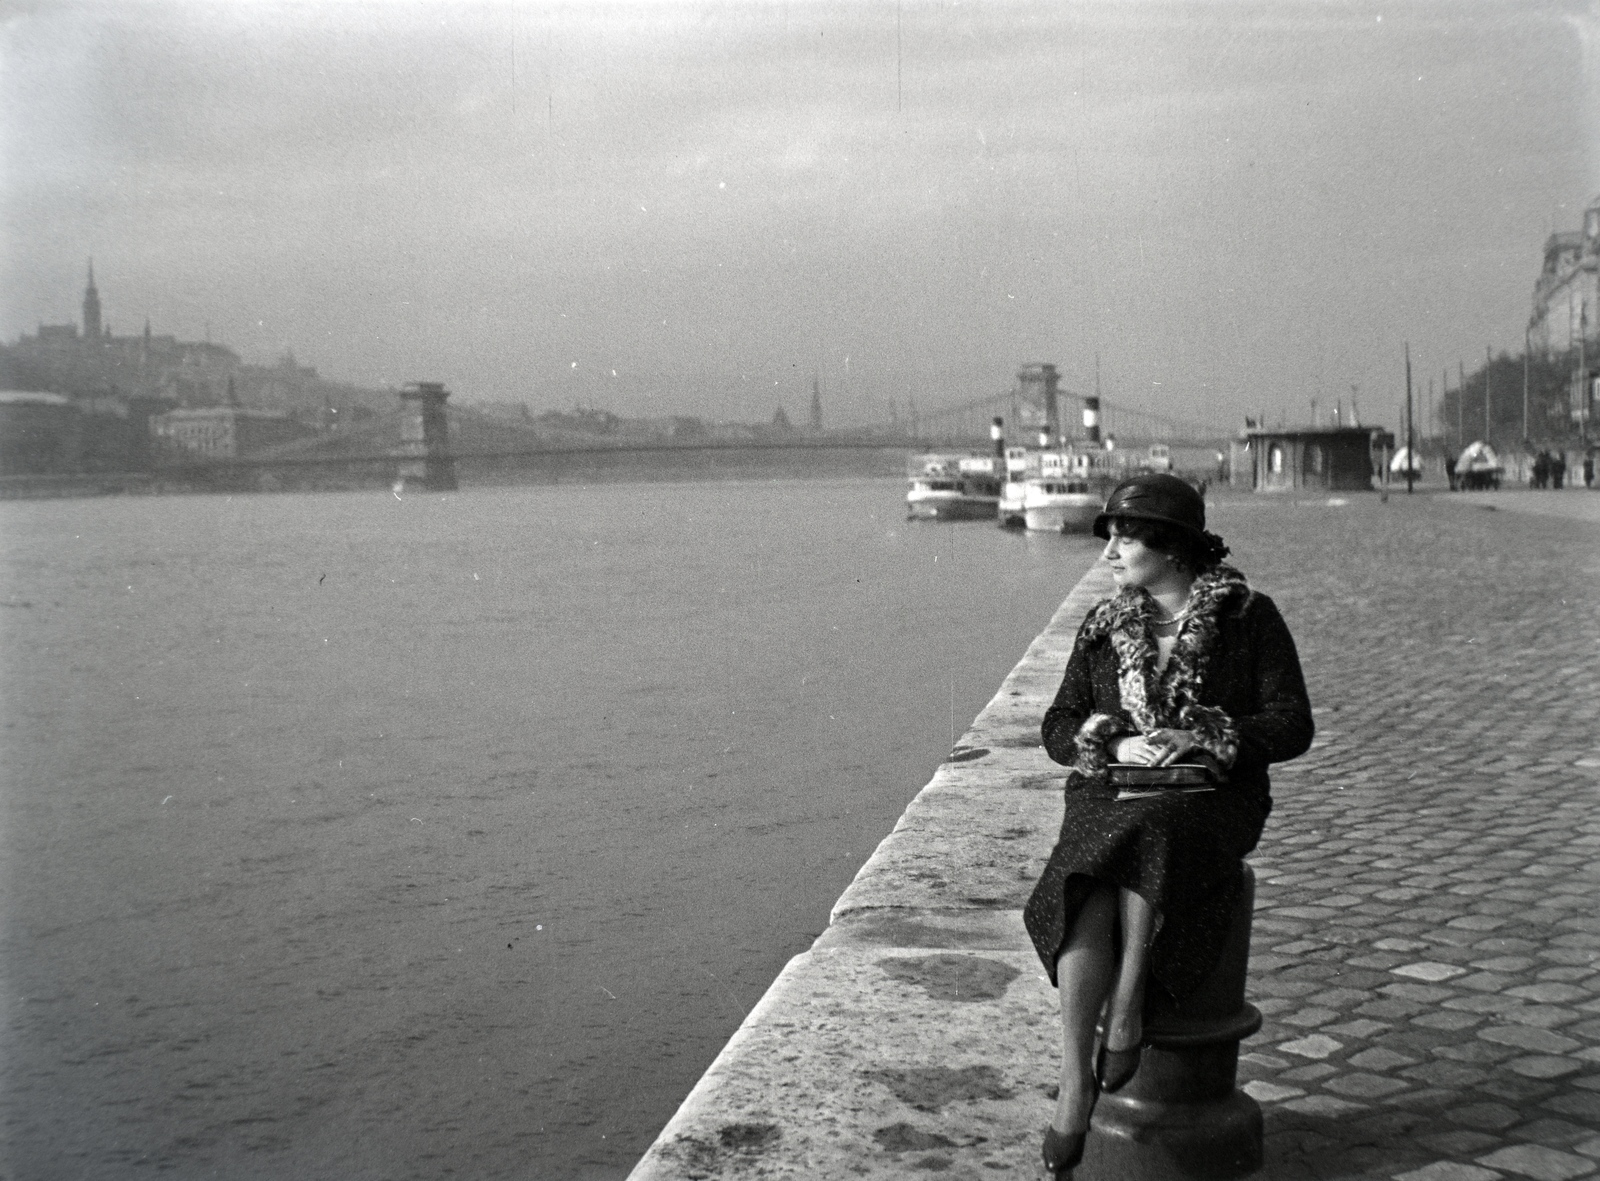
[
  {"x": 1181, "y": 1115},
  {"x": 425, "y": 437}
]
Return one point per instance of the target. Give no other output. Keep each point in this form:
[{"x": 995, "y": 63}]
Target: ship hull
[
  {"x": 1070, "y": 513},
  {"x": 1013, "y": 499},
  {"x": 952, "y": 488},
  {"x": 951, "y": 507}
]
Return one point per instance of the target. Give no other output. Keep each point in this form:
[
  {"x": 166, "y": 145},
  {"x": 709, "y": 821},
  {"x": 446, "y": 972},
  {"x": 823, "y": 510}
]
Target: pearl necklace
[{"x": 1188, "y": 610}]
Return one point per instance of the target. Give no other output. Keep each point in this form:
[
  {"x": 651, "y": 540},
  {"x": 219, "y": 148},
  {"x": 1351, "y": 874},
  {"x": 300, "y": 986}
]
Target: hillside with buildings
[{"x": 81, "y": 398}]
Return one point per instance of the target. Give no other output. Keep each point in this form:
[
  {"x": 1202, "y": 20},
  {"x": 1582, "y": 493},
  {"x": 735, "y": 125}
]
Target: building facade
[
  {"x": 40, "y": 433},
  {"x": 221, "y": 432},
  {"x": 1566, "y": 296}
]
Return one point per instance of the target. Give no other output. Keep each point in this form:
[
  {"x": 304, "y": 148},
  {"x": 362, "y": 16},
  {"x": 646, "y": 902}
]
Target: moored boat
[
  {"x": 1063, "y": 491},
  {"x": 952, "y": 487}
]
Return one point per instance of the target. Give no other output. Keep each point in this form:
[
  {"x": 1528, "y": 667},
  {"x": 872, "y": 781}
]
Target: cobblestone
[
  {"x": 1535, "y": 1160},
  {"x": 1448, "y": 1171},
  {"x": 1553, "y": 1131},
  {"x": 1432, "y": 865}
]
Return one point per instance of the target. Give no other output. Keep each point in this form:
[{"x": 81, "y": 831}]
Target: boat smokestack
[{"x": 1091, "y": 417}]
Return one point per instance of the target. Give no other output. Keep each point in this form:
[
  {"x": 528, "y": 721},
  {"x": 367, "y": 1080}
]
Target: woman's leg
[
  {"x": 1083, "y": 978},
  {"x": 1125, "y": 1021}
]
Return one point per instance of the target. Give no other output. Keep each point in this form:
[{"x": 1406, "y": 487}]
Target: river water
[{"x": 363, "y": 836}]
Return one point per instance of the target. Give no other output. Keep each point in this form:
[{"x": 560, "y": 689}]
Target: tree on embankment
[{"x": 1460, "y": 411}]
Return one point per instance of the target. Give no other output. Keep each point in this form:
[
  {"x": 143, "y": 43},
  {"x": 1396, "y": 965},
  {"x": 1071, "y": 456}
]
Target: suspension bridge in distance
[
  {"x": 425, "y": 449},
  {"x": 968, "y": 424}
]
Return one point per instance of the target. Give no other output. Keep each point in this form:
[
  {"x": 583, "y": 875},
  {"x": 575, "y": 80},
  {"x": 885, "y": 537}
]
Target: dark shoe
[
  {"x": 1116, "y": 1067},
  {"x": 1062, "y": 1150}
]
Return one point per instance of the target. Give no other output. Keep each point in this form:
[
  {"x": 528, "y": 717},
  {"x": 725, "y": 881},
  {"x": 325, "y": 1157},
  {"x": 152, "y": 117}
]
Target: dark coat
[{"x": 1234, "y": 678}]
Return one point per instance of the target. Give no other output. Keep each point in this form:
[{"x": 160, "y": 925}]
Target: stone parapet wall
[{"x": 919, "y": 1032}]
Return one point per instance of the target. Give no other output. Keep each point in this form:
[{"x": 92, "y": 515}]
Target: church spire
[{"x": 91, "y": 307}]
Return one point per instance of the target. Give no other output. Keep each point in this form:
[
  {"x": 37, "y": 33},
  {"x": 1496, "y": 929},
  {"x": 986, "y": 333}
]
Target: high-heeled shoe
[
  {"x": 1116, "y": 1067},
  {"x": 1062, "y": 1150}
]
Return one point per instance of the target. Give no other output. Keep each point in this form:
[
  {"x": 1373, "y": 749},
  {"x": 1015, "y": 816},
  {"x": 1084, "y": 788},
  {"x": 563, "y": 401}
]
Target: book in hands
[{"x": 1135, "y": 781}]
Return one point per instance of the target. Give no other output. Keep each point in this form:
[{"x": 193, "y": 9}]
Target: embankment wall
[{"x": 919, "y": 1032}]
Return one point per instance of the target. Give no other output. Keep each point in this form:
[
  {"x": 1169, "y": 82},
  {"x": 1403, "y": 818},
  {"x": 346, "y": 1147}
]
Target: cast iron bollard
[{"x": 1182, "y": 1116}]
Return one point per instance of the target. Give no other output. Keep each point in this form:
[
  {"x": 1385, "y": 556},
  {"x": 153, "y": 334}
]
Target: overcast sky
[{"x": 696, "y": 208}]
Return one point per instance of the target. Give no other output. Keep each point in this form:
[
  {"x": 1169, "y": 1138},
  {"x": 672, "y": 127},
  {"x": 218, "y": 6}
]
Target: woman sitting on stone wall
[{"x": 1184, "y": 664}]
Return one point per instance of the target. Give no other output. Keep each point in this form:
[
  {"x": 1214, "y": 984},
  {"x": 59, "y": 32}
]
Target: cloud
[{"x": 1238, "y": 196}]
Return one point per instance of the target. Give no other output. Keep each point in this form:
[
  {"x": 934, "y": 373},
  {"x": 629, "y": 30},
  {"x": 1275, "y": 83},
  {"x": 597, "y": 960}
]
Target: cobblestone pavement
[
  {"x": 1427, "y": 937},
  {"x": 1581, "y": 504}
]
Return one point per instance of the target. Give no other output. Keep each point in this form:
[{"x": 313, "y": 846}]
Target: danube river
[{"x": 361, "y": 836}]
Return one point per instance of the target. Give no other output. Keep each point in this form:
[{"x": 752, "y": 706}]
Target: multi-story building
[
  {"x": 39, "y": 432},
  {"x": 1566, "y": 297},
  {"x": 222, "y": 432}
]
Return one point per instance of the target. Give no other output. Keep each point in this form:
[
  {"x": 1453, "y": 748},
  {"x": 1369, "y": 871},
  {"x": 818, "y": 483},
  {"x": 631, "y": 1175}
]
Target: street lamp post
[
  {"x": 1583, "y": 377},
  {"x": 1525, "y": 389},
  {"x": 1488, "y": 430}
]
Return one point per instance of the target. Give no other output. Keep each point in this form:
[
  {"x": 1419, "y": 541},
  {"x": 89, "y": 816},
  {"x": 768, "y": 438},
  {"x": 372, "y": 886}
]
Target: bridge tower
[
  {"x": 1039, "y": 384},
  {"x": 425, "y": 437}
]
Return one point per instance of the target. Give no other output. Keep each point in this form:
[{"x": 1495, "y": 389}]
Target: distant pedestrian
[
  {"x": 1558, "y": 469},
  {"x": 1450, "y": 471},
  {"x": 1541, "y": 469},
  {"x": 1185, "y": 664},
  {"x": 1588, "y": 469}
]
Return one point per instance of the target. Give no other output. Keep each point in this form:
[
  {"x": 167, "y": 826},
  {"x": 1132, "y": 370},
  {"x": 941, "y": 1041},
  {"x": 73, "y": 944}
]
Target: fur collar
[{"x": 1172, "y": 698}]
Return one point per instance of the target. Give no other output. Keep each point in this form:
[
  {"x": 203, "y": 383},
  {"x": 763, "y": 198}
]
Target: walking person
[{"x": 1185, "y": 664}]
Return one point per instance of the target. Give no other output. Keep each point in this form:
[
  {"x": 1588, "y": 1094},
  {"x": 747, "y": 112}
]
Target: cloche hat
[{"x": 1154, "y": 497}]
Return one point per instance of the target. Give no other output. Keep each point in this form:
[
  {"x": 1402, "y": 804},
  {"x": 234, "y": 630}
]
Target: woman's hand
[
  {"x": 1155, "y": 750},
  {"x": 1137, "y": 750},
  {"x": 1171, "y": 746}
]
